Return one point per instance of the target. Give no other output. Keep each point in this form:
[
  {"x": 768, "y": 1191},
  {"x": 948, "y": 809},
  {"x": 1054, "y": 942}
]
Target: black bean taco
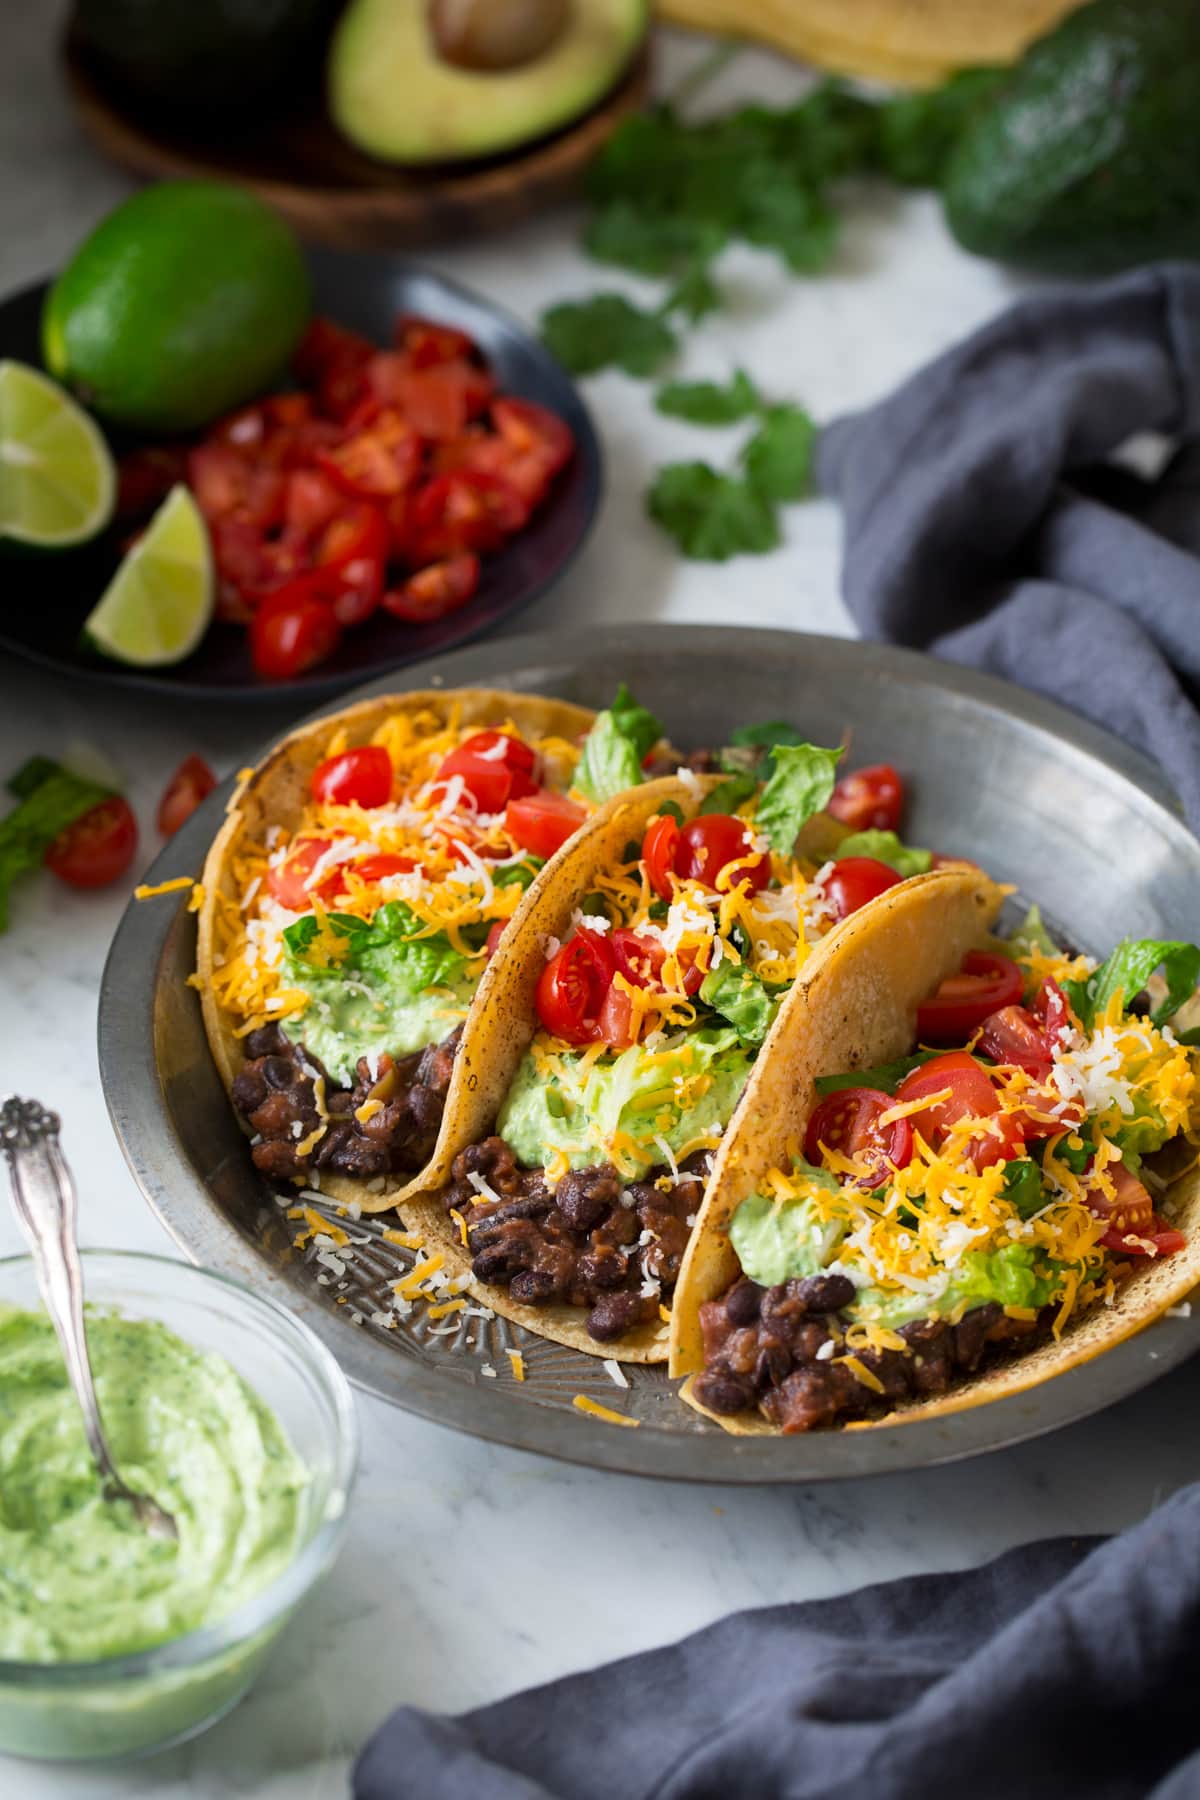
[{"x": 968, "y": 1167}]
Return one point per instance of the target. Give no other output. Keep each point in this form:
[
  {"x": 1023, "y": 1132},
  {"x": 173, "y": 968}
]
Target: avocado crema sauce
[{"x": 80, "y": 1579}]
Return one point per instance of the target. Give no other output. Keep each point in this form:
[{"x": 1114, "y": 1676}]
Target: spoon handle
[{"x": 44, "y": 1197}]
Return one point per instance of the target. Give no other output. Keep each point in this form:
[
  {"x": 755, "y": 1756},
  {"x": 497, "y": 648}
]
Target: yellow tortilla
[
  {"x": 855, "y": 1006},
  {"x": 275, "y": 793}
]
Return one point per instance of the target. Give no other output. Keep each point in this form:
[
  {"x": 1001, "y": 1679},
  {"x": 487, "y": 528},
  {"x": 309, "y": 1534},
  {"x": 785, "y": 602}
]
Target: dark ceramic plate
[
  {"x": 1038, "y": 795},
  {"x": 364, "y": 292}
]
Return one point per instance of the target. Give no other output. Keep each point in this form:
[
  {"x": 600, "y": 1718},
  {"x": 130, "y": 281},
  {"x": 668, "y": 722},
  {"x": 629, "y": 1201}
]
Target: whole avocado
[
  {"x": 184, "y": 302},
  {"x": 1086, "y": 160},
  {"x": 205, "y": 56}
]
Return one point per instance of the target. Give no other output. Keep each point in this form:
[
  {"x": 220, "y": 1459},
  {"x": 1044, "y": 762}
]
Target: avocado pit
[{"x": 491, "y": 36}]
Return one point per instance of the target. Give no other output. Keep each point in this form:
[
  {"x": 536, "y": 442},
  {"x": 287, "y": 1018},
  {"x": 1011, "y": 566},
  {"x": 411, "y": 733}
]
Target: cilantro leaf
[
  {"x": 917, "y": 132},
  {"x": 1127, "y": 970},
  {"x": 651, "y": 243},
  {"x": 778, "y": 458},
  {"x": 606, "y": 331},
  {"x": 696, "y": 294},
  {"x": 739, "y": 996},
  {"x": 711, "y": 516},
  {"x": 778, "y": 214},
  {"x": 27, "y": 832},
  {"x": 729, "y": 795},
  {"x": 615, "y": 747},
  {"x": 707, "y": 402},
  {"x": 886, "y": 847},
  {"x": 800, "y": 786}
]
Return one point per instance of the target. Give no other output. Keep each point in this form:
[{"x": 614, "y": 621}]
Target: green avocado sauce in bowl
[{"x": 226, "y": 1409}]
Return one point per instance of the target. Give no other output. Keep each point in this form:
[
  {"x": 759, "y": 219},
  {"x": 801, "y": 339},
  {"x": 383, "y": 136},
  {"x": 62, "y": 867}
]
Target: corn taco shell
[
  {"x": 275, "y": 794},
  {"x": 855, "y": 1006}
]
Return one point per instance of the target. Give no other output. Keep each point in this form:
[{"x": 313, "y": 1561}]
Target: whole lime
[{"x": 184, "y": 302}]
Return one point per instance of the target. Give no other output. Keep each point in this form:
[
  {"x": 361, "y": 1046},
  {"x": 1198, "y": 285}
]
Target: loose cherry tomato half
[
  {"x": 869, "y": 799},
  {"x": 288, "y": 881},
  {"x": 438, "y": 589},
  {"x": 98, "y": 847},
  {"x": 495, "y": 766},
  {"x": 573, "y": 985},
  {"x": 290, "y": 633},
  {"x": 855, "y": 880},
  {"x": 985, "y": 983},
  {"x": 541, "y": 823},
  {"x": 708, "y": 845},
  {"x": 360, "y": 777},
  {"x": 971, "y": 1096},
  {"x": 658, "y": 853},
  {"x": 848, "y": 1120},
  {"x": 378, "y": 462},
  {"x": 192, "y": 780}
]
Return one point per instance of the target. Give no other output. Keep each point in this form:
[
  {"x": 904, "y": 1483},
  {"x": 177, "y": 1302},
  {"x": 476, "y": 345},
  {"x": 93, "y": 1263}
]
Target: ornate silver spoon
[{"x": 44, "y": 1199}]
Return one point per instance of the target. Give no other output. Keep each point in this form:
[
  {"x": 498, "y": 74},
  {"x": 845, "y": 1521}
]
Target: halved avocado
[{"x": 395, "y": 94}]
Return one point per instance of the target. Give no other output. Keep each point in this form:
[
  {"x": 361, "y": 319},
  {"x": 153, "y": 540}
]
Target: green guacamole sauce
[{"x": 79, "y": 1578}]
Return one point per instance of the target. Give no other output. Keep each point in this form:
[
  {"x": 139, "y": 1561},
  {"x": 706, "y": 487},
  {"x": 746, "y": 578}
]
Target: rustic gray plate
[{"x": 1070, "y": 815}]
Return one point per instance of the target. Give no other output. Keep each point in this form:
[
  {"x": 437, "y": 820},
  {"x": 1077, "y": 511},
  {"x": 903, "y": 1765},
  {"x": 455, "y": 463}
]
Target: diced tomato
[
  {"x": 310, "y": 503},
  {"x": 98, "y": 847},
  {"x": 351, "y": 561},
  {"x": 377, "y": 463},
  {"x": 438, "y": 589},
  {"x": 495, "y": 767},
  {"x": 853, "y": 881},
  {"x": 985, "y": 984},
  {"x": 708, "y": 844},
  {"x": 970, "y": 1096},
  {"x": 188, "y": 786},
  {"x": 333, "y": 363},
  {"x": 358, "y": 777},
  {"x": 227, "y": 484},
  {"x": 493, "y": 938},
  {"x": 425, "y": 342},
  {"x": 146, "y": 477},
  {"x": 527, "y": 448},
  {"x": 467, "y": 511},
  {"x": 659, "y": 847},
  {"x": 573, "y": 986},
  {"x": 290, "y": 633},
  {"x": 869, "y": 799},
  {"x": 530, "y": 430},
  {"x": 849, "y": 1121},
  {"x": 541, "y": 823},
  {"x": 437, "y": 401}
]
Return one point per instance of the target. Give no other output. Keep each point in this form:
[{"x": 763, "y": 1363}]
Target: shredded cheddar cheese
[
  {"x": 517, "y": 1362},
  {"x": 175, "y": 886},
  {"x": 596, "y": 1411}
]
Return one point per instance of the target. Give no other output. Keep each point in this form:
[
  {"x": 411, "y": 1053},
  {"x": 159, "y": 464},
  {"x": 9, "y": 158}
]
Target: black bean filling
[
  {"x": 595, "y": 1241},
  {"x": 274, "y": 1092},
  {"x": 762, "y": 1345}
]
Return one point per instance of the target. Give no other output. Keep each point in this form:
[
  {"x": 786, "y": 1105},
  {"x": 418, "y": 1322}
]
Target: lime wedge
[
  {"x": 57, "y": 480},
  {"x": 158, "y": 605}
]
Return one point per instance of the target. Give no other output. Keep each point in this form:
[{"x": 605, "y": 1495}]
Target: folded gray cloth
[
  {"x": 978, "y": 526},
  {"x": 1062, "y": 1669}
]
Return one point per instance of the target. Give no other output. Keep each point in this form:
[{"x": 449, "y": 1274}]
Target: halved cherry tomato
[
  {"x": 614, "y": 1023},
  {"x": 869, "y": 799},
  {"x": 986, "y": 983},
  {"x": 541, "y": 823},
  {"x": 532, "y": 430},
  {"x": 289, "y": 635},
  {"x": 640, "y": 959},
  {"x": 464, "y": 511},
  {"x": 378, "y": 867},
  {"x": 848, "y": 1120},
  {"x": 377, "y": 463},
  {"x": 658, "y": 854},
  {"x": 434, "y": 591},
  {"x": 971, "y": 1096},
  {"x": 358, "y": 777},
  {"x": 192, "y": 780},
  {"x": 1130, "y": 1212},
  {"x": 855, "y": 880},
  {"x": 495, "y": 766},
  {"x": 493, "y": 938},
  {"x": 425, "y": 342},
  {"x": 1026, "y": 1036},
  {"x": 98, "y": 847},
  {"x": 707, "y": 845},
  {"x": 350, "y": 563},
  {"x": 573, "y": 985},
  {"x": 288, "y": 881}
]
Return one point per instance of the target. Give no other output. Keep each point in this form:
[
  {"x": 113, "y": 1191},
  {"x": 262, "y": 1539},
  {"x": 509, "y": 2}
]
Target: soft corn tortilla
[
  {"x": 275, "y": 793},
  {"x": 857, "y": 1008}
]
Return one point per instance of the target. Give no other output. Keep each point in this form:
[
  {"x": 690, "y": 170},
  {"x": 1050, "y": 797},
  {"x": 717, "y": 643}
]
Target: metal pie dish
[{"x": 1071, "y": 816}]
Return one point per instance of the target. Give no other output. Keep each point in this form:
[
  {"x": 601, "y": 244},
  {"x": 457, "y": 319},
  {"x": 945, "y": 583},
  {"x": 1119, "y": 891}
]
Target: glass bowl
[{"x": 130, "y": 1705}]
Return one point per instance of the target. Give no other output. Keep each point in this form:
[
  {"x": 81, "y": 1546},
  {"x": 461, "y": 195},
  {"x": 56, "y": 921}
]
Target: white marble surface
[{"x": 471, "y": 1571}]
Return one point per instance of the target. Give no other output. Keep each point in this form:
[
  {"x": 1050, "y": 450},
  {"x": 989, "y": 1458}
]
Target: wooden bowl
[{"x": 333, "y": 194}]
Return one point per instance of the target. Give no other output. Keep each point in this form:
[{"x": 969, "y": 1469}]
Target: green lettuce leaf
[
  {"x": 739, "y": 996},
  {"x": 615, "y": 747},
  {"x": 1023, "y": 1186},
  {"x": 1030, "y": 935},
  {"x": 800, "y": 786},
  {"x": 887, "y": 848},
  {"x": 1127, "y": 970}
]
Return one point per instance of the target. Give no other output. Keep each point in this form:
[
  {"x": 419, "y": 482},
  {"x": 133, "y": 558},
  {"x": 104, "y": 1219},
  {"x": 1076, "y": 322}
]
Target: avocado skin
[
  {"x": 205, "y": 56},
  {"x": 1087, "y": 159}
]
